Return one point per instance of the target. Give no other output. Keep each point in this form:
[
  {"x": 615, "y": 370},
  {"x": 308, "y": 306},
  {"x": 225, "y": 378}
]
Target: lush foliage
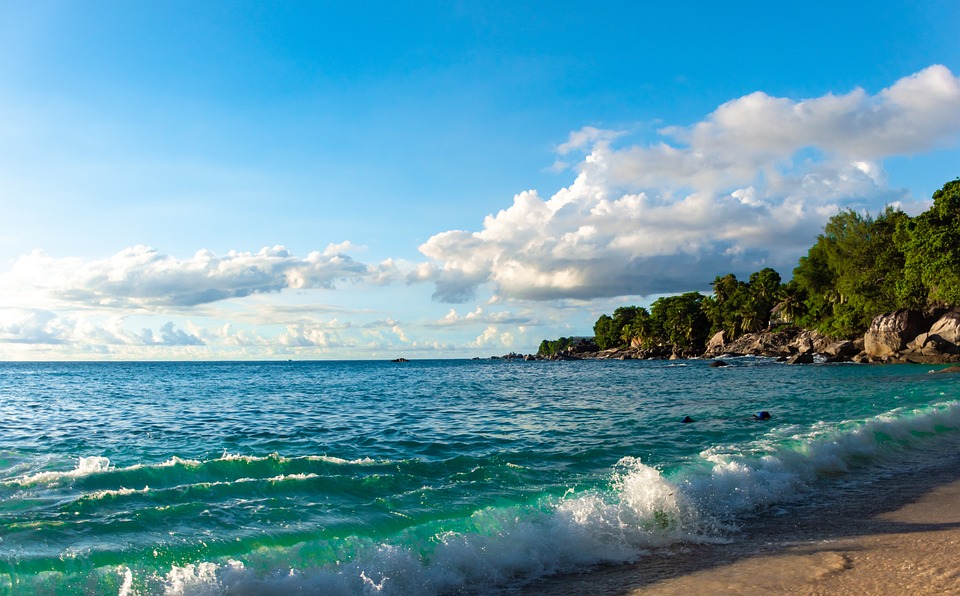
[
  {"x": 552, "y": 348},
  {"x": 858, "y": 268},
  {"x": 608, "y": 331},
  {"x": 854, "y": 272},
  {"x": 738, "y": 307},
  {"x": 931, "y": 247}
]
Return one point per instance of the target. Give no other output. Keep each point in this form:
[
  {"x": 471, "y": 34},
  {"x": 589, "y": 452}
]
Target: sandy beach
[
  {"x": 896, "y": 535},
  {"x": 911, "y": 550}
]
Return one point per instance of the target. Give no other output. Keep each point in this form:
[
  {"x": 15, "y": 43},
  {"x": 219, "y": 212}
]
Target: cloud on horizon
[
  {"x": 142, "y": 278},
  {"x": 749, "y": 186},
  {"x": 46, "y": 328}
]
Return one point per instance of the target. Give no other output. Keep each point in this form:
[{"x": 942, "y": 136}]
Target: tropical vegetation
[{"x": 859, "y": 267}]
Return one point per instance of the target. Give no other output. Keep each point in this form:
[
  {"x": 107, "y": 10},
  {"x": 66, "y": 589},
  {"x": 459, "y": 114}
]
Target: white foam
[
  {"x": 640, "y": 510},
  {"x": 281, "y": 459},
  {"x": 777, "y": 467},
  {"x": 85, "y": 467},
  {"x": 289, "y": 477},
  {"x": 120, "y": 492},
  {"x": 364, "y": 461}
]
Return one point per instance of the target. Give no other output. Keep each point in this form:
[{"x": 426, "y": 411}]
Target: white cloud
[
  {"x": 142, "y": 277},
  {"x": 479, "y": 316},
  {"x": 492, "y": 337},
  {"x": 42, "y": 327},
  {"x": 304, "y": 335},
  {"x": 586, "y": 136},
  {"x": 747, "y": 187}
]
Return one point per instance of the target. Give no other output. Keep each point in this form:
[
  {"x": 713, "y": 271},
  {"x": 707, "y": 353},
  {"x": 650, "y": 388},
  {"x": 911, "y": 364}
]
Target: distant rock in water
[
  {"x": 687, "y": 420},
  {"x": 949, "y": 369},
  {"x": 718, "y": 364},
  {"x": 400, "y": 360}
]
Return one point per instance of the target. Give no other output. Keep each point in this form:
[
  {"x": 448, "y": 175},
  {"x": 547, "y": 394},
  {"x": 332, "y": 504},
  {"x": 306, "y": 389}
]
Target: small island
[{"x": 871, "y": 289}]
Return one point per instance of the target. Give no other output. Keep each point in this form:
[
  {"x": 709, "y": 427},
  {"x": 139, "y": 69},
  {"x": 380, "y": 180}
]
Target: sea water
[{"x": 426, "y": 477}]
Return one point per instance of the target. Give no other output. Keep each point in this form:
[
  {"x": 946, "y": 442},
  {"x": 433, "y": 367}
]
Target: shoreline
[{"x": 896, "y": 532}]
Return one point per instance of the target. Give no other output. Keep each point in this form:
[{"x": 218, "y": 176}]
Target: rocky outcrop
[
  {"x": 909, "y": 336},
  {"x": 775, "y": 343},
  {"x": 800, "y": 359},
  {"x": 841, "y": 349},
  {"x": 717, "y": 344},
  {"x": 901, "y": 336},
  {"x": 616, "y": 354},
  {"x": 888, "y": 334},
  {"x": 947, "y": 327}
]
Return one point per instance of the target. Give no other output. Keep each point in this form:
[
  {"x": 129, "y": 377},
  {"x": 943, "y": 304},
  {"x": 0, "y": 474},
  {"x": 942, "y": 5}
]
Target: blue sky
[{"x": 435, "y": 179}]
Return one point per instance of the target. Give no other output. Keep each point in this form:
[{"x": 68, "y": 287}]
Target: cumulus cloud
[
  {"x": 171, "y": 336},
  {"x": 492, "y": 337},
  {"x": 143, "y": 277},
  {"x": 747, "y": 187},
  {"x": 42, "y": 327},
  {"x": 479, "y": 316},
  {"x": 310, "y": 335}
]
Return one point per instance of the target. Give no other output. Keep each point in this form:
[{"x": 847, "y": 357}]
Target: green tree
[
  {"x": 606, "y": 332},
  {"x": 680, "y": 321},
  {"x": 931, "y": 248},
  {"x": 552, "y": 348},
  {"x": 791, "y": 306},
  {"x": 640, "y": 329},
  {"x": 853, "y": 272}
]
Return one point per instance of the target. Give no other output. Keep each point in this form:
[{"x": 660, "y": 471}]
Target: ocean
[{"x": 426, "y": 477}]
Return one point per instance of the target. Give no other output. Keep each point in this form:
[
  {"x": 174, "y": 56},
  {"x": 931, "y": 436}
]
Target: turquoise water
[{"x": 419, "y": 478}]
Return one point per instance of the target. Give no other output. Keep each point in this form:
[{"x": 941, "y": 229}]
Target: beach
[{"x": 898, "y": 536}]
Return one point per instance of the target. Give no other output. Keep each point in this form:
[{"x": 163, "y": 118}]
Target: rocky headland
[{"x": 903, "y": 336}]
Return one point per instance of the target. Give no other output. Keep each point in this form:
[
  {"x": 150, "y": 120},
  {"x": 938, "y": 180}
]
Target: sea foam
[{"x": 639, "y": 510}]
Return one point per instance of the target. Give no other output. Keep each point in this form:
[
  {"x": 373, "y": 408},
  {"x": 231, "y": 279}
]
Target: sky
[{"x": 369, "y": 180}]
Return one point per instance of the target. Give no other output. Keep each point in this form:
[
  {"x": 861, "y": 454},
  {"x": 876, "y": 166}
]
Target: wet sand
[{"x": 898, "y": 533}]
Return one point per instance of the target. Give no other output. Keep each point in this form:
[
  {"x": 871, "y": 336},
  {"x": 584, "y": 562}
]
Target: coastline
[
  {"x": 903, "y": 336},
  {"x": 896, "y": 533}
]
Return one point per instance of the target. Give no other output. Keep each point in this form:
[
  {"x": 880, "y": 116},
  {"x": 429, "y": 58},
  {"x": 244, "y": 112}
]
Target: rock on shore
[
  {"x": 908, "y": 336},
  {"x": 913, "y": 336}
]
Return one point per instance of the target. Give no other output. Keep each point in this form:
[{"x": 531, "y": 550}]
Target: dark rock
[
  {"x": 929, "y": 357},
  {"x": 718, "y": 364},
  {"x": 843, "y": 349},
  {"x": 836, "y": 359},
  {"x": 929, "y": 344},
  {"x": 949, "y": 369},
  {"x": 800, "y": 359},
  {"x": 400, "y": 360},
  {"x": 687, "y": 420}
]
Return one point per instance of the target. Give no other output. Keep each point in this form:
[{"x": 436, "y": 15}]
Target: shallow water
[{"x": 422, "y": 477}]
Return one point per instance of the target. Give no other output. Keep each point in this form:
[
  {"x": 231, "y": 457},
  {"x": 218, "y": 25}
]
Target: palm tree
[{"x": 791, "y": 306}]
